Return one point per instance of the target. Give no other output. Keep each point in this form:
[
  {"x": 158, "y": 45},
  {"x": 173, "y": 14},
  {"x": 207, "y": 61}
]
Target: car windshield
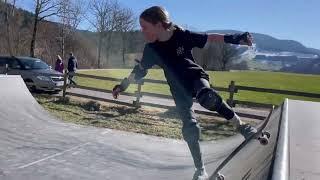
[{"x": 34, "y": 64}]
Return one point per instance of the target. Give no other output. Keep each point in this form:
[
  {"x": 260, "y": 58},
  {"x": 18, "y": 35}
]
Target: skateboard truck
[
  {"x": 264, "y": 138},
  {"x": 220, "y": 176}
]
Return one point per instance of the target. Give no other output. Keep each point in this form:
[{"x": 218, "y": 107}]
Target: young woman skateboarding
[{"x": 170, "y": 47}]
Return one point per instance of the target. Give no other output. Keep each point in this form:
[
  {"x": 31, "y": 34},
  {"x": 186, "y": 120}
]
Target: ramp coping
[{"x": 281, "y": 162}]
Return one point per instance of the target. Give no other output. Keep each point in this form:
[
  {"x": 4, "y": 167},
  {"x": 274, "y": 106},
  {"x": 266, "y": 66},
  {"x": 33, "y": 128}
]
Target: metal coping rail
[{"x": 281, "y": 162}]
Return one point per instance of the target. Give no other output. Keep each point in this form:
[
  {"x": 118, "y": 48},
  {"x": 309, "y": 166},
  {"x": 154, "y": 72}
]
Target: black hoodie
[{"x": 72, "y": 64}]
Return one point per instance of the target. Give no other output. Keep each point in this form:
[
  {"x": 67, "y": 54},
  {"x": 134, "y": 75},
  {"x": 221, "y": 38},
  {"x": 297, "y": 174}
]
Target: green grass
[
  {"x": 150, "y": 121},
  {"x": 261, "y": 79}
]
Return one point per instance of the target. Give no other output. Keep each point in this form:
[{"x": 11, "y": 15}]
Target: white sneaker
[
  {"x": 200, "y": 174},
  {"x": 247, "y": 130},
  {"x": 236, "y": 121}
]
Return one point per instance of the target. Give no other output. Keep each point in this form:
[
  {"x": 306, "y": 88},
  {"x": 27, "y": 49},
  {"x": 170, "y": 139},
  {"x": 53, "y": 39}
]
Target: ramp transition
[{"x": 35, "y": 145}]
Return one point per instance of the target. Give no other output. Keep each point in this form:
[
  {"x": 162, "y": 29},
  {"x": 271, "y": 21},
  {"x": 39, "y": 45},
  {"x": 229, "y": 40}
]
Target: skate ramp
[
  {"x": 304, "y": 140},
  {"x": 254, "y": 160},
  {"x": 293, "y": 151},
  {"x": 35, "y": 145}
]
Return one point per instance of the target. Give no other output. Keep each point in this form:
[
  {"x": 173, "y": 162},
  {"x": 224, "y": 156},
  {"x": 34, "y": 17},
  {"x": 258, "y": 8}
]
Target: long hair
[{"x": 156, "y": 14}]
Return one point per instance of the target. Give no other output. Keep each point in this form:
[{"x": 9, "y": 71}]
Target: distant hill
[
  {"x": 27, "y": 16},
  {"x": 48, "y": 43},
  {"x": 309, "y": 67}
]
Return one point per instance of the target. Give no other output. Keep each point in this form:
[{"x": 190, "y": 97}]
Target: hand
[
  {"x": 246, "y": 39},
  {"x": 116, "y": 91}
]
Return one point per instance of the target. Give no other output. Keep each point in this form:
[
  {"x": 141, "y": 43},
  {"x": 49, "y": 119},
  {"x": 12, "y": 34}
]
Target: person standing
[
  {"x": 59, "y": 66},
  {"x": 72, "y": 68}
]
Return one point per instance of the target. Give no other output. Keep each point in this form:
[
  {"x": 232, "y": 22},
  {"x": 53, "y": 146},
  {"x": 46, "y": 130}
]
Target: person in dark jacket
[
  {"x": 59, "y": 66},
  {"x": 72, "y": 68},
  {"x": 170, "y": 47}
]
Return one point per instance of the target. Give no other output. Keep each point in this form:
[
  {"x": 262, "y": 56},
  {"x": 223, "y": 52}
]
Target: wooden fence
[{"x": 232, "y": 90}]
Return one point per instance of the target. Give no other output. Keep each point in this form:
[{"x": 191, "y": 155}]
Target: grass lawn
[
  {"x": 146, "y": 120},
  {"x": 163, "y": 122},
  {"x": 261, "y": 79}
]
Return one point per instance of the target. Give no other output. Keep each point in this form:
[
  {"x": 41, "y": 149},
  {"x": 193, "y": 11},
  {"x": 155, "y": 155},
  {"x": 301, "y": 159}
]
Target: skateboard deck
[{"x": 261, "y": 135}]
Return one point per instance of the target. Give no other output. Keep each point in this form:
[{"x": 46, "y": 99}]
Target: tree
[
  {"x": 100, "y": 10},
  {"x": 113, "y": 24},
  {"x": 70, "y": 16},
  {"x": 215, "y": 56},
  {"x": 105, "y": 17},
  {"x": 15, "y": 33},
  {"x": 43, "y": 9},
  {"x": 9, "y": 14},
  {"x": 227, "y": 53},
  {"x": 126, "y": 24}
]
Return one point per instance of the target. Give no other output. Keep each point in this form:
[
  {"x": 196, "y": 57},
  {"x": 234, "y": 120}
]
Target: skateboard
[{"x": 261, "y": 135}]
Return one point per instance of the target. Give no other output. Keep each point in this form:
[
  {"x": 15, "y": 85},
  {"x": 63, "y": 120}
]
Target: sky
[{"x": 283, "y": 19}]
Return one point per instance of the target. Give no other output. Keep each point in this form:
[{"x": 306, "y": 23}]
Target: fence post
[
  {"x": 65, "y": 84},
  {"x": 138, "y": 94},
  {"x": 232, "y": 90}
]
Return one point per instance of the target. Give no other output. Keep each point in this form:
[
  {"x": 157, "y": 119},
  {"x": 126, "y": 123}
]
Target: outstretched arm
[
  {"x": 139, "y": 71},
  {"x": 215, "y": 37},
  {"x": 242, "y": 39}
]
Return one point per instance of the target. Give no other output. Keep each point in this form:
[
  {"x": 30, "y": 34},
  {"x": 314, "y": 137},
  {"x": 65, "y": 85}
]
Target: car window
[
  {"x": 27, "y": 64},
  {"x": 14, "y": 64},
  {"x": 34, "y": 64},
  {"x": 39, "y": 65},
  {"x": 3, "y": 62}
]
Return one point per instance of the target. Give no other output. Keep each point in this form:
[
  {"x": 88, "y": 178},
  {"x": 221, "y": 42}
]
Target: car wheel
[{"x": 30, "y": 85}]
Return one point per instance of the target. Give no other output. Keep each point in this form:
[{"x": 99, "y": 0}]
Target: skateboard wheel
[
  {"x": 220, "y": 177},
  {"x": 264, "y": 140},
  {"x": 267, "y": 134}
]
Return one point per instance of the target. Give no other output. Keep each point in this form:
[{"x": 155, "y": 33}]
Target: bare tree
[
  {"x": 76, "y": 17},
  {"x": 126, "y": 22},
  {"x": 100, "y": 10},
  {"x": 9, "y": 14},
  {"x": 15, "y": 32},
  {"x": 43, "y": 9},
  {"x": 105, "y": 15},
  {"x": 70, "y": 16},
  {"x": 215, "y": 56},
  {"x": 112, "y": 25},
  {"x": 227, "y": 54}
]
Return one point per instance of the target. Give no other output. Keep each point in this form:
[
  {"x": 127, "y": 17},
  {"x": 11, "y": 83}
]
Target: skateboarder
[{"x": 169, "y": 47}]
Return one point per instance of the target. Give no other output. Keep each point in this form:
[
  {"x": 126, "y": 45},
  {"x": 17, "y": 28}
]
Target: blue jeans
[
  {"x": 70, "y": 77},
  {"x": 191, "y": 129}
]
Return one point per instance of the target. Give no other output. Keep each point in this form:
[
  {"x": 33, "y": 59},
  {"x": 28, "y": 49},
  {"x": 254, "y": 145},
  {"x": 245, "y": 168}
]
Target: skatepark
[{"x": 35, "y": 145}]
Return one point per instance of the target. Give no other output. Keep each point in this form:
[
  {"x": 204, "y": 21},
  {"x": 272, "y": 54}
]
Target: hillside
[
  {"x": 48, "y": 42},
  {"x": 305, "y": 67}
]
